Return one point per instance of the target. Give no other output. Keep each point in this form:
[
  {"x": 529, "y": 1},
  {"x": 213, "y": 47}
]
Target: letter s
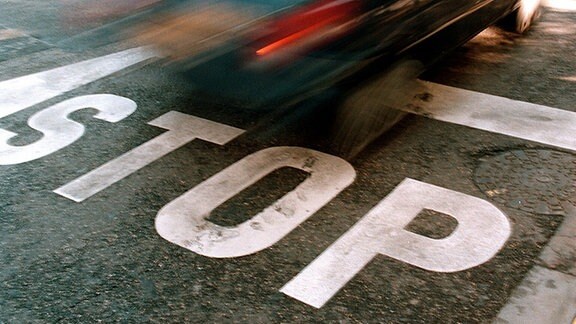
[{"x": 59, "y": 131}]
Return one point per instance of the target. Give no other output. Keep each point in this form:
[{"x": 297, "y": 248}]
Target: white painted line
[
  {"x": 22, "y": 92},
  {"x": 570, "y": 78},
  {"x": 544, "y": 296},
  {"x": 524, "y": 120},
  {"x": 6, "y": 34},
  {"x": 182, "y": 128}
]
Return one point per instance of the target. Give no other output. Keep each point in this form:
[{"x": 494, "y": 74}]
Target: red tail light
[{"x": 307, "y": 27}]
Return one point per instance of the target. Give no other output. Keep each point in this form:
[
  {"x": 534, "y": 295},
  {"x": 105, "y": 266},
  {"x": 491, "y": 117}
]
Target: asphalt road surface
[{"x": 127, "y": 196}]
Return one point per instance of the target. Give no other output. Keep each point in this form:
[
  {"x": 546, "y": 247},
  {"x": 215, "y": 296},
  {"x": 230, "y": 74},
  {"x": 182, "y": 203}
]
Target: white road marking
[
  {"x": 182, "y": 128},
  {"x": 519, "y": 119},
  {"x": 58, "y": 130},
  {"x": 544, "y": 296},
  {"x": 6, "y": 34},
  {"x": 183, "y": 221},
  {"x": 481, "y": 232},
  {"x": 20, "y": 93},
  {"x": 570, "y": 78}
]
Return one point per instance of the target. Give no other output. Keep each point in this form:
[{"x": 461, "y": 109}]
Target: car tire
[{"x": 373, "y": 108}]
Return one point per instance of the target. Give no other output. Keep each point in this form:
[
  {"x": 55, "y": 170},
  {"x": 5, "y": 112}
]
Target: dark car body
[{"x": 301, "y": 47}]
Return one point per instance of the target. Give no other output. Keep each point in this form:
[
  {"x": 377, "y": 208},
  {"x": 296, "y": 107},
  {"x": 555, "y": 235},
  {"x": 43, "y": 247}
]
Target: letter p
[{"x": 481, "y": 232}]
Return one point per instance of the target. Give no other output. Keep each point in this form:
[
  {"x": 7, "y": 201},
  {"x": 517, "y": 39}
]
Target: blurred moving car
[{"x": 268, "y": 53}]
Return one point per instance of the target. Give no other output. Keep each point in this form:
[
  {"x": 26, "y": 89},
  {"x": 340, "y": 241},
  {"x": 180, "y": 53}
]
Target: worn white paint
[
  {"x": 544, "y": 296},
  {"x": 183, "y": 221},
  {"x": 58, "y": 130},
  {"x": 481, "y": 232},
  {"x": 182, "y": 128},
  {"x": 524, "y": 120},
  {"x": 22, "y": 92}
]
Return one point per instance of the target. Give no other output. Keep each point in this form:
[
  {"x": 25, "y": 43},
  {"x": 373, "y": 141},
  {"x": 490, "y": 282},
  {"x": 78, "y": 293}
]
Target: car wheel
[{"x": 371, "y": 109}]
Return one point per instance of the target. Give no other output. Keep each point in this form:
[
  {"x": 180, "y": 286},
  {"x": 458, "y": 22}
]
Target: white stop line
[
  {"x": 25, "y": 91},
  {"x": 495, "y": 114}
]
